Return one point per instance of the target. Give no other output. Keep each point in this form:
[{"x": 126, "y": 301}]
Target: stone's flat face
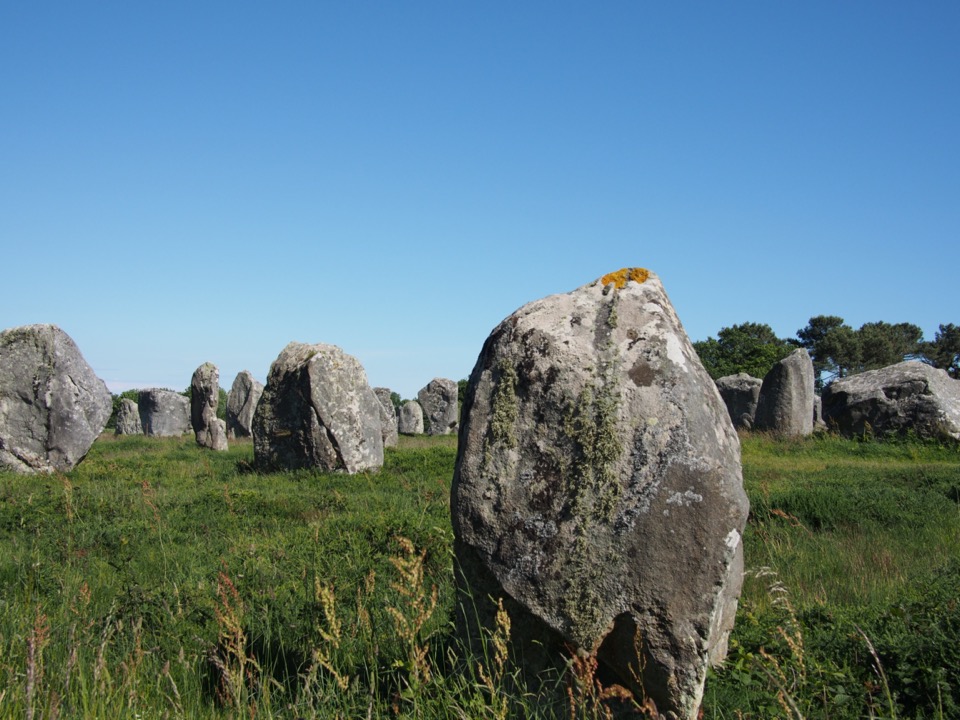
[
  {"x": 388, "y": 416},
  {"x": 128, "y": 418},
  {"x": 908, "y": 396},
  {"x": 163, "y": 413},
  {"x": 438, "y": 399},
  {"x": 317, "y": 410},
  {"x": 410, "y": 420},
  {"x": 210, "y": 431},
  {"x": 241, "y": 404},
  {"x": 598, "y": 486},
  {"x": 786, "y": 403},
  {"x": 740, "y": 394},
  {"x": 52, "y": 405}
]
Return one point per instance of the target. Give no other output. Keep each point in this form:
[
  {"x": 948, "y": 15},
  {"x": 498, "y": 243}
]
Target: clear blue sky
[{"x": 207, "y": 181}]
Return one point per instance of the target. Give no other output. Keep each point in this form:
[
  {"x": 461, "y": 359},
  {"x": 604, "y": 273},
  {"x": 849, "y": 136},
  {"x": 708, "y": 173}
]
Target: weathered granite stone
[
  {"x": 441, "y": 412},
  {"x": 410, "y": 421},
  {"x": 163, "y": 413},
  {"x": 785, "y": 406},
  {"x": 908, "y": 396},
  {"x": 52, "y": 405},
  {"x": 598, "y": 490},
  {"x": 128, "y": 418},
  {"x": 740, "y": 393},
  {"x": 317, "y": 411},
  {"x": 818, "y": 422},
  {"x": 388, "y": 416},
  {"x": 241, "y": 403},
  {"x": 210, "y": 431}
]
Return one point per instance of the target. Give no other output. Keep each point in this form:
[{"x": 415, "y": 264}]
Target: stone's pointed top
[{"x": 624, "y": 275}]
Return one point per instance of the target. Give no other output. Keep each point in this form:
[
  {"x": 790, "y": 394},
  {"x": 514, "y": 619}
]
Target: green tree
[
  {"x": 752, "y": 348},
  {"x": 944, "y": 350}
]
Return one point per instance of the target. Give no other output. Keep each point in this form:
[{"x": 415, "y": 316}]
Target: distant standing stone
[
  {"x": 786, "y": 401},
  {"x": 440, "y": 409},
  {"x": 128, "y": 418},
  {"x": 411, "y": 418},
  {"x": 388, "y": 416},
  {"x": 317, "y": 411},
  {"x": 163, "y": 413},
  {"x": 210, "y": 431},
  {"x": 740, "y": 394},
  {"x": 52, "y": 405},
  {"x": 241, "y": 404}
]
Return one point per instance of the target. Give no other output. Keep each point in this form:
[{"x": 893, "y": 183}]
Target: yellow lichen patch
[{"x": 624, "y": 275}]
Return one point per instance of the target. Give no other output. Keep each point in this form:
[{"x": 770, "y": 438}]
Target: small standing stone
[
  {"x": 411, "y": 418},
  {"x": 241, "y": 404},
  {"x": 740, "y": 393},
  {"x": 440, "y": 409},
  {"x": 785, "y": 406},
  {"x": 163, "y": 413},
  {"x": 128, "y": 418},
  {"x": 388, "y": 416},
  {"x": 210, "y": 431}
]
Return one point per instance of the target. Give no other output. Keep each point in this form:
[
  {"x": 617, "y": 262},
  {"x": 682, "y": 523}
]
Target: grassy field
[{"x": 161, "y": 580}]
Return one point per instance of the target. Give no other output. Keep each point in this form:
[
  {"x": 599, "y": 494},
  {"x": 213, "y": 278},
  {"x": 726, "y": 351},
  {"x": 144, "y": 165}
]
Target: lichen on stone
[
  {"x": 621, "y": 277},
  {"x": 505, "y": 410}
]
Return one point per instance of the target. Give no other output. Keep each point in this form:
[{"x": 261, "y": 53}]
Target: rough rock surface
[
  {"x": 410, "y": 421},
  {"x": 440, "y": 408},
  {"x": 210, "y": 431},
  {"x": 908, "y": 396},
  {"x": 163, "y": 413},
  {"x": 388, "y": 416},
  {"x": 317, "y": 411},
  {"x": 128, "y": 418},
  {"x": 785, "y": 406},
  {"x": 598, "y": 490},
  {"x": 52, "y": 405},
  {"x": 740, "y": 393},
  {"x": 241, "y": 403}
]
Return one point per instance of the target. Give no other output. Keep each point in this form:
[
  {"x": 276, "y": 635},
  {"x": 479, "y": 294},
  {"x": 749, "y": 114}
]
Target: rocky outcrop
[
  {"x": 740, "y": 394},
  {"x": 52, "y": 404},
  {"x": 907, "y": 397},
  {"x": 317, "y": 411},
  {"x": 441, "y": 412},
  {"x": 128, "y": 418},
  {"x": 241, "y": 404},
  {"x": 163, "y": 413},
  {"x": 786, "y": 399},
  {"x": 388, "y": 416},
  {"x": 598, "y": 490},
  {"x": 210, "y": 431},
  {"x": 410, "y": 420}
]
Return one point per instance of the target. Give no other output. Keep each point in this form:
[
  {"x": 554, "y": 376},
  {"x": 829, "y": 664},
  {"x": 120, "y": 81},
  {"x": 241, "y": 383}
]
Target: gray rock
[
  {"x": 210, "y": 431},
  {"x": 388, "y": 416},
  {"x": 441, "y": 413},
  {"x": 598, "y": 490},
  {"x": 740, "y": 393},
  {"x": 908, "y": 396},
  {"x": 818, "y": 421},
  {"x": 410, "y": 421},
  {"x": 785, "y": 406},
  {"x": 128, "y": 418},
  {"x": 241, "y": 403},
  {"x": 52, "y": 405},
  {"x": 163, "y": 413},
  {"x": 317, "y": 411}
]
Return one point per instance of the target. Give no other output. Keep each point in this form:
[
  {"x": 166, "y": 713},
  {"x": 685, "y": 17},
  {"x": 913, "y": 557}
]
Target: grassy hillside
[{"x": 161, "y": 580}]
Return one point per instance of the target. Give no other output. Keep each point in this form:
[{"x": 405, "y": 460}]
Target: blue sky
[{"x": 207, "y": 181}]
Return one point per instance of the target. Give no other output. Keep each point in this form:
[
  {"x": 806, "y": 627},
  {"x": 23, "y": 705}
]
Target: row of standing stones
[{"x": 597, "y": 492}]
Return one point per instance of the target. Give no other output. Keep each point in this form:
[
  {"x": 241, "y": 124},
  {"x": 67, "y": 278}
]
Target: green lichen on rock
[{"x": 505, "y": 410}]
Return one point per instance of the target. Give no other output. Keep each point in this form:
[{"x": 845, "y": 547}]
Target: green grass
[{"x": 158, "y": 579}]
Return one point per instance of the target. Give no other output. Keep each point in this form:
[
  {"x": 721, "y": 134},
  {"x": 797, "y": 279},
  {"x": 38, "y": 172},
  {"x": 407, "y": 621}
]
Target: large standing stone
[
  {"x": 388, "y": 416},
  {"x": 740, "y": 393},
  {"x": 128, "y": 418},
  {"x": 786, "y": 403},
  {"x": 598, "y": 490},
  {"x": 410, "y": 421},
  {"x": 210, "y": 431},
  {"x": 440, "y": 409},
  {"x": 52, "y": 405},
  {"x": 317, "y": 410},
  {"x": 908, "y": 396},
  {"x": 163, "y": 413},
  {"x": 241, "y": 403}
]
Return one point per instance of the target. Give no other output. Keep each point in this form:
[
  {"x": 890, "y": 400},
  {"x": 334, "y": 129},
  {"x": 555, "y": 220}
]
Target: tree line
[{"x": 837, "y": 350}]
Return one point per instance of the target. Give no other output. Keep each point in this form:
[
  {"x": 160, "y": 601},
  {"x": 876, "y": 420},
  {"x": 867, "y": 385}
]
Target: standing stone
[
  {"x": 163, "y": 413},
  {"x": 439, "y": 402},
  {"x": 52, "y": 405},
  {"x": 210, "y": 431},
  {"x": 740, "y": 394},
  {"x": 785, "y": 406},
  {"x": 317, "y": 411},
  {"x": 241, "y": 403},
  {"x": 410, "y": 421},
  {"x": 128, "y": 418},
  {"x": 598, "y": 490},
  {"x": 388, "y": 416}
]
